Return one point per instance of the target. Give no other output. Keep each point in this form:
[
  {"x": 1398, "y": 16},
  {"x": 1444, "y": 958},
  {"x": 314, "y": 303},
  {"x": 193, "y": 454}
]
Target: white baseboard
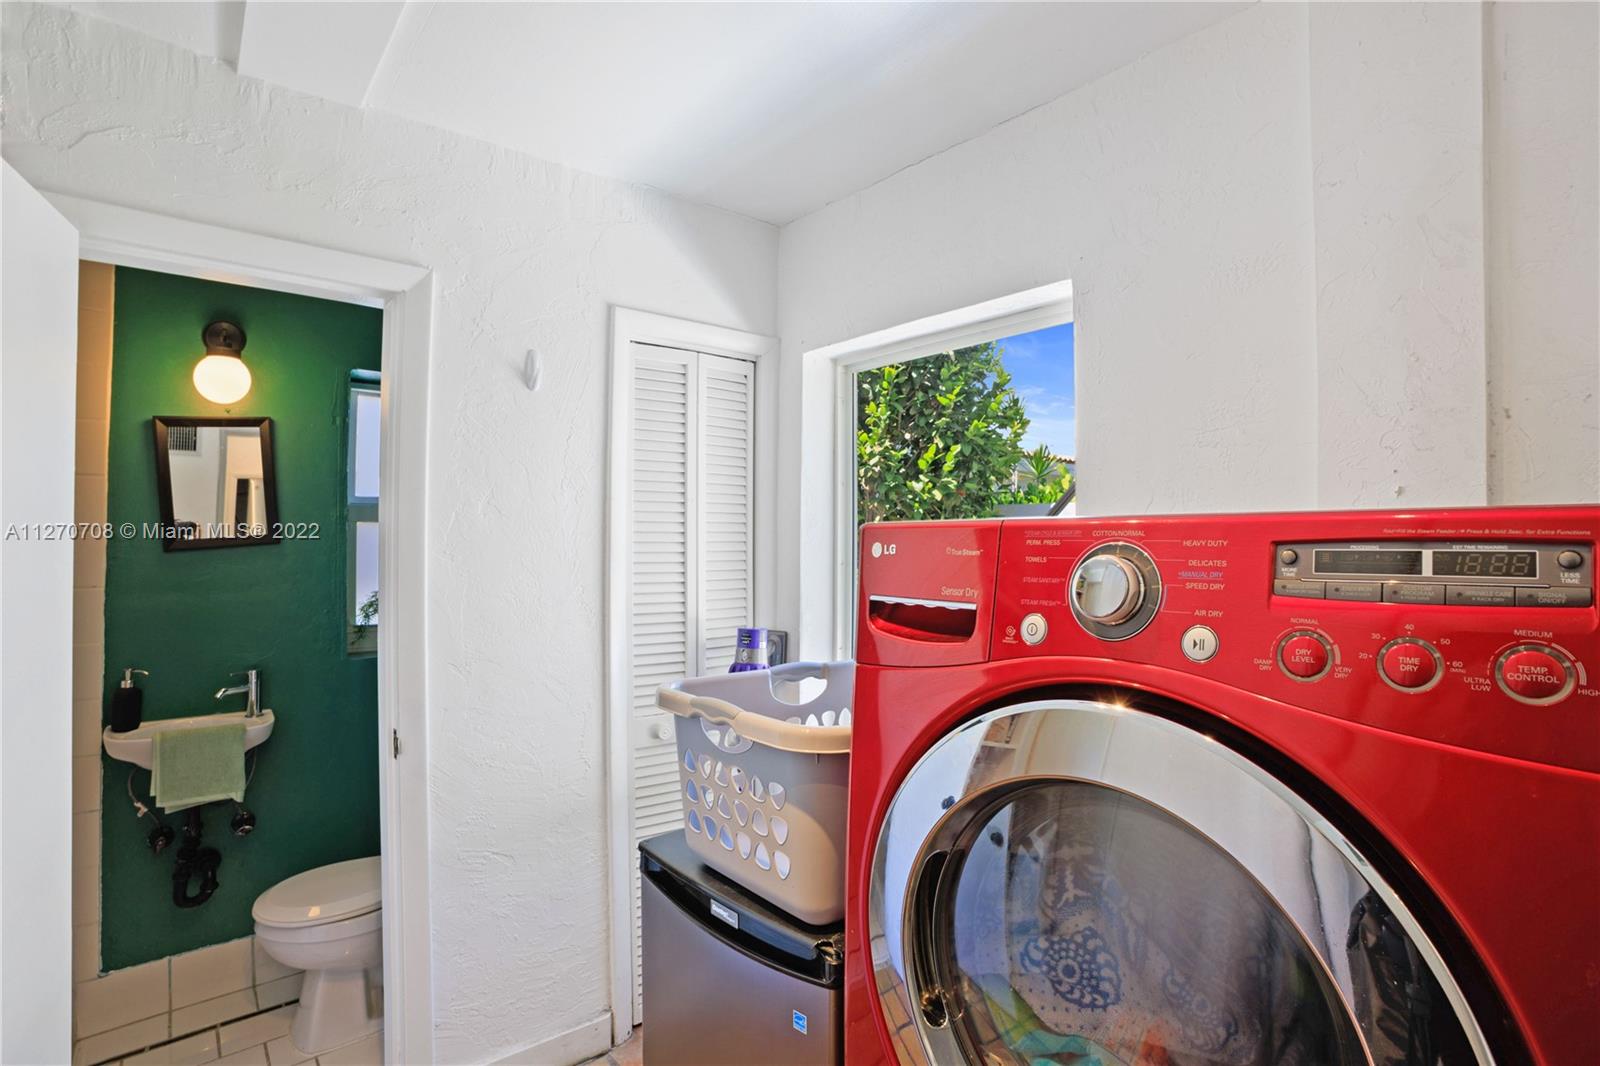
[{"x": 578, "y": 1044}]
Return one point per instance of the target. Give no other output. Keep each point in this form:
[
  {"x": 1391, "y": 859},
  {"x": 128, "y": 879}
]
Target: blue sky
[{"x": 1041, "y": 371}]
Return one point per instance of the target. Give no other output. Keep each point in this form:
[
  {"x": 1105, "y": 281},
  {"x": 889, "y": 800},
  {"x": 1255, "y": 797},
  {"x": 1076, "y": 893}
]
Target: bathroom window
[{"x": 361, "y": 532}]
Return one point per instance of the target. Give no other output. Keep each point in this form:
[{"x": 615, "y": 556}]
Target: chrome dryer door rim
[{"x": 1221, "y": 796}]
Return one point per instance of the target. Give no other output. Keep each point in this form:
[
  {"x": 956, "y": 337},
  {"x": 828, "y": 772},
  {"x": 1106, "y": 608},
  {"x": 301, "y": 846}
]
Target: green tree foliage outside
[
  {"x": 938, "y": 437},
  {"x": 1041, "y": 477}
]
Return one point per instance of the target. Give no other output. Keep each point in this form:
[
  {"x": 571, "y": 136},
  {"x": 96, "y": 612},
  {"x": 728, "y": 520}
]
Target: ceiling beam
[{"x": 330, "y": 50}]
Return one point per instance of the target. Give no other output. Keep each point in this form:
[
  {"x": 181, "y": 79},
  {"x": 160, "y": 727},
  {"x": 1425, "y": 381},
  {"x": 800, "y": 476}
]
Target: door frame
[
  {"x": 127, "y": 237},
  {"x": 629, "y": 327},
  {"x": 38, "y": 365}
]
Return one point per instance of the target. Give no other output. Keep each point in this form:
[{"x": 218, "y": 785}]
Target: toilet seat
[
  {"x": 327, "y": 894},
  {"x": 321, "y": 932}
]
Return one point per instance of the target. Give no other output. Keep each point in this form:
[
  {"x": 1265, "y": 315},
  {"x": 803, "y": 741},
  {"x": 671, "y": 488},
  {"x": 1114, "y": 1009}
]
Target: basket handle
[
  {"x": 773, "y": 732},
  {"x": 800, "y": 671},
  {"x": 671, "y": 697}
]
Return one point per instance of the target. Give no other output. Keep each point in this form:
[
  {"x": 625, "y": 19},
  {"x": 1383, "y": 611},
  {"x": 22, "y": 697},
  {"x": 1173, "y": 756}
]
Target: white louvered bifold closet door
[{"x": 692, "y": 506}]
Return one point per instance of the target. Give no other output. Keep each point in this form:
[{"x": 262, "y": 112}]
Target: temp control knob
[
  {"x": 1535, "y": 673},
  {"x": 1304, "y": 655},
  {"x": 1107, "y": 589}
]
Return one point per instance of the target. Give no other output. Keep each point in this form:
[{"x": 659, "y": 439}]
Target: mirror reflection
[{"x": 215, "y": 479}]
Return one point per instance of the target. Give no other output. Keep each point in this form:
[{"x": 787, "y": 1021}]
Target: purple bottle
[{"x": 751, "y": 653}]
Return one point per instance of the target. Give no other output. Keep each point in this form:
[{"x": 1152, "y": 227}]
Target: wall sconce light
[{"x": 221, "y": 375}]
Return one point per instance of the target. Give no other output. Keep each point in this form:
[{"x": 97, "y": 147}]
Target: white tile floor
[
  {"x": 128, "y": 1010},
  {"x": 260, "y": 1040}
]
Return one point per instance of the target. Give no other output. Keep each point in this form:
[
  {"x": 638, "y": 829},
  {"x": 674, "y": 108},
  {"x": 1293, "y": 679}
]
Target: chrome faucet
[{"x": 252, "y": 690}]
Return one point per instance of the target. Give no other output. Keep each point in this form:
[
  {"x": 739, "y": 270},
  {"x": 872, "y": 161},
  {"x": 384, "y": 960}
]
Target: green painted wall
[{"x": 193, "y": 618}]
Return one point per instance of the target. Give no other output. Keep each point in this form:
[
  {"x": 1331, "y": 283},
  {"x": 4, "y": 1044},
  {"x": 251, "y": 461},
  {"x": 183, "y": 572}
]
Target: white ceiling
[
  {"x": 211, "y": 28},
  {"x": 768, "y": 109}
]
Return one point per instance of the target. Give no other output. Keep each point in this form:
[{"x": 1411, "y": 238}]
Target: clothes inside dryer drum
[{"x": 1085, "y": 926}]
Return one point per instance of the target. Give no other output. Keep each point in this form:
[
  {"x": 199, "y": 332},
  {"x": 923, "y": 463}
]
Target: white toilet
[{"x": 329, "y": 923}]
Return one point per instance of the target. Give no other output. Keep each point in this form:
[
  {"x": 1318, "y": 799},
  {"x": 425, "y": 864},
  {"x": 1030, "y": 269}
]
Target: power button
[{"x": 1034, "y": 629}]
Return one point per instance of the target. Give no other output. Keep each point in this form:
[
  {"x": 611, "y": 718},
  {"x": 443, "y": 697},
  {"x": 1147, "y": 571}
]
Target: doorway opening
[
  {"x": 401, "y": 295},
  {"x": 216, "y": 569}
]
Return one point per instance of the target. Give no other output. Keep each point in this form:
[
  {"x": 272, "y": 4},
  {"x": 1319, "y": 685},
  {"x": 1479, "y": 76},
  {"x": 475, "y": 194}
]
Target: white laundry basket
[{"x": 764, "y": 781}]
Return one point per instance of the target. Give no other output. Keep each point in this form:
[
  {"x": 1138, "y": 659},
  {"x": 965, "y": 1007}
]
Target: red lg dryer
[{"x": 1300, "y": 788}]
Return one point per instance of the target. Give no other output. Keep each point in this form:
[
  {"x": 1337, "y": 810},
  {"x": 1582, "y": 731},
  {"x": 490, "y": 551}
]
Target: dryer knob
[
  {"x": 1535, "y": 673},
  {"x": 1108, "y": 589}
]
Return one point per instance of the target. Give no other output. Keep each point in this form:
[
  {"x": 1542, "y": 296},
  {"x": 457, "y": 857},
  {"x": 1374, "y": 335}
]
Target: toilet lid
[{"x": 326, "y": 894}]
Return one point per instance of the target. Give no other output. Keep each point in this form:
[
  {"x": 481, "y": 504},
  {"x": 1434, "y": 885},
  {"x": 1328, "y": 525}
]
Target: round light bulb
[{"x": 222, "y": 378}]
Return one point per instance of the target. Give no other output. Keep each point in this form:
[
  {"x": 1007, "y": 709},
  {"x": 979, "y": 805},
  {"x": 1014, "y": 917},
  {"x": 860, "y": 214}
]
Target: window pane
[
  {"x": 983, "y": 430},
  {"x": 366, "y": 583},
  {"x": 364, "y": 445}
]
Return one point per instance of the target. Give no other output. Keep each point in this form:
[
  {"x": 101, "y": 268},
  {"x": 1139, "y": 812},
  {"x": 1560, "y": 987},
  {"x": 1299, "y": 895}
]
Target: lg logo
[{"x": 879, "y": 549}]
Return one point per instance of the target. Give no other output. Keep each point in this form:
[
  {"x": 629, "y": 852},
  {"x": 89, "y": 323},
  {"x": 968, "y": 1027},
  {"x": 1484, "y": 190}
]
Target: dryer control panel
[
  {"x": 1453, "y": 573},
  {"x": 1474, "y": 628}
]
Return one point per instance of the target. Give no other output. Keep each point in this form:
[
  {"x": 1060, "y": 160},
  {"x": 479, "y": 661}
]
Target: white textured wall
[
  {"x": 527, "y": 255},
  {"x": 1542, "y": 167},
  {"x": 1285, "y": 235},
  {"x": 1396, "y": 96}
]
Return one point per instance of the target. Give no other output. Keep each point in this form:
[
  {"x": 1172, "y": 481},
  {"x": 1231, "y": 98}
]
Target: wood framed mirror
[{"x": 216, "y": 482}]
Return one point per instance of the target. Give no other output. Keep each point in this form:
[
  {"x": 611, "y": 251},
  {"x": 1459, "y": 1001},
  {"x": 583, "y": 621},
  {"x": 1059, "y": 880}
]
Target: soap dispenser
[{"x": 127, "y": 703}]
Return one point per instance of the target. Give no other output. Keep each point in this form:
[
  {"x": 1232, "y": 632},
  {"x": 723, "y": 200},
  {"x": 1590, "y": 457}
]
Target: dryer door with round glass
[{"x": 1076, "y": 882}]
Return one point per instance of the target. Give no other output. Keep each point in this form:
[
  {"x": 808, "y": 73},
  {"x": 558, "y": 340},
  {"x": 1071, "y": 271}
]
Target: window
[
  {"x": 1031, "y": 334},
  {"x": 977, "y": 431},
  {"x": 361, "y": 522}
]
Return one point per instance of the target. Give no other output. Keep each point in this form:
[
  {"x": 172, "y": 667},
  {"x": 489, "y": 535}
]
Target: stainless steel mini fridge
[{"x": 728, "y": 979}]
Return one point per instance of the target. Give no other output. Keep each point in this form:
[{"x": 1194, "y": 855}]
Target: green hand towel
[{"x": 193, "y": 766}]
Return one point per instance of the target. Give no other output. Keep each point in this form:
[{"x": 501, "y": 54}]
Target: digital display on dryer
[
  {"x": 1389, "y": 562},
  {"x": 1485, "y": 564}
]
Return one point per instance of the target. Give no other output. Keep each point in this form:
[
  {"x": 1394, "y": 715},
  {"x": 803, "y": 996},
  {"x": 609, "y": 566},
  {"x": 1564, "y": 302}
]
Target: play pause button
[{"x": 1199, "y": 643}]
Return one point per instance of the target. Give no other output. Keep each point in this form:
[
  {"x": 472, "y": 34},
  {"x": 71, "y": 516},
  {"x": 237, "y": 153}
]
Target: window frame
[
  {"x": 1023, "y": 312},
  {"x": 360, "y": 639}
]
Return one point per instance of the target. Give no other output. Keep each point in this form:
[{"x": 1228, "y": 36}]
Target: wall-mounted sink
[{"x": 138, "y": 745}]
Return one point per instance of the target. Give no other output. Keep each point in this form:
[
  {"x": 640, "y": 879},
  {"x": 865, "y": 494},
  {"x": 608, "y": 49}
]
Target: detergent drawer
[{"x": 926, "y": 592}]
